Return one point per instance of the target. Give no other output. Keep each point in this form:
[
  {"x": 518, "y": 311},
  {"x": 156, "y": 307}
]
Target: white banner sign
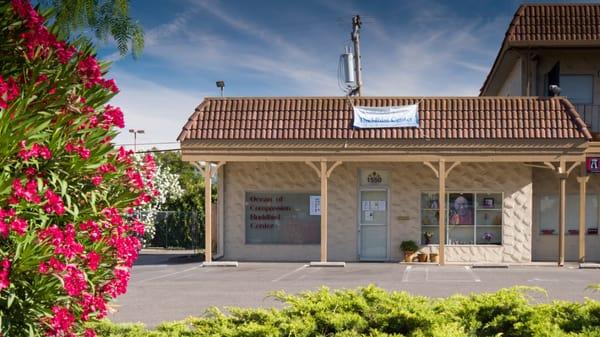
[{"x": 386, "y": 117}]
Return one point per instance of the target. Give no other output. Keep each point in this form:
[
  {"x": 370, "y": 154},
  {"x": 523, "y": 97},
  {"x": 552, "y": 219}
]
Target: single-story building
[{"x": 498, "y": 178}]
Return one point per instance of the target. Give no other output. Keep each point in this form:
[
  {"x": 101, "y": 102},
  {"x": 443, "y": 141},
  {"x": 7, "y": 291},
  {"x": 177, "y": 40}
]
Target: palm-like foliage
[{"x": 102, "y": 18}]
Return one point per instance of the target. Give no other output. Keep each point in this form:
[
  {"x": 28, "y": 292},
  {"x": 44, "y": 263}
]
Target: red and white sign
[{"x": 592, "y": 164}]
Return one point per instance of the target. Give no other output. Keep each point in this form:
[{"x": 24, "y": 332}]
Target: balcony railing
[{"x": 591, "y": 115}]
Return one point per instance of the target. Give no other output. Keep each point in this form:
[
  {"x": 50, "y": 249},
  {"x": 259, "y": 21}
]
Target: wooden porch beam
[
  {"x": 314, "y": 167},
  {"x": 582, "y": 180},
  {"x": 330, "y": 170},
  {"x": 207, "y": 213},
  {"x": 455, "y": 164},
  {"x": 433, "y": 168},
  {"x": 562, "y": 218},
  {"x": 324, "y": 176},
  {"x": 442, "y": 209}
]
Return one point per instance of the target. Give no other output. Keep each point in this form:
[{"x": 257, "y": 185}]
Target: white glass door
[{"x": 373, "y": 224}]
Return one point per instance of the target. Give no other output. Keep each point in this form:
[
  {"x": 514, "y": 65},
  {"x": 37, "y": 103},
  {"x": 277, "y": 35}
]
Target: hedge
[{"x": 371, "y": 311}]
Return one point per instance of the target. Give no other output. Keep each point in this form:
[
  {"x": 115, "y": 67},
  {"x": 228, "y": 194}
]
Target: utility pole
[{"x": 355, "y": 35}]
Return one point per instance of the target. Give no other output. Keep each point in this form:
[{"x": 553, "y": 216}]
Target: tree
[
  {"x": 103, "y": 18},
  {"x": 68, "y": 237},
  {"x": 169, "y": 190},
  {"x": 190, "y": 179}
]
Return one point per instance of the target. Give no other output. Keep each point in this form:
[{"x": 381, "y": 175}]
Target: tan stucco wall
[
  {"x": 408, "y": 180},
  {"x": 545, "y": 247},
  {"x": 572, "y": 62},
  {"x": 512, "y": 85}
]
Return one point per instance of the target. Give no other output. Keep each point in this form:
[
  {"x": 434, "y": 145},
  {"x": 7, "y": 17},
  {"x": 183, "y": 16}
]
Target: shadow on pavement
[{"x": 168, "y": 257}]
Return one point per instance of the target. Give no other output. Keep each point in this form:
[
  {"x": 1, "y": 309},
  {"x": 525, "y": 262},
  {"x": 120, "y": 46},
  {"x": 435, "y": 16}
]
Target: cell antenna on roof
[
  {"x": 349, "y": 66},
  {"x": 221, "y": 85},
  {"x": 355, "y": 35}
]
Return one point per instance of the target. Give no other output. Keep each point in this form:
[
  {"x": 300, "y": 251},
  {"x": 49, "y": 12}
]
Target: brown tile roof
[
  {"x": 308, "y": 118},
  {"x": 555, "y": 22},
  {"x": 550, "y": 25}
]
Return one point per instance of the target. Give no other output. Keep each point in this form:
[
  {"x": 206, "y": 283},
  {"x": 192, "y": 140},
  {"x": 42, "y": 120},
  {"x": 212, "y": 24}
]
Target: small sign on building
[{"x": 592, "y": 164}]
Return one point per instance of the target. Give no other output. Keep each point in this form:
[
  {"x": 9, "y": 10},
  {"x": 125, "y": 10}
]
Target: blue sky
[{"x": 291, "y": 48}]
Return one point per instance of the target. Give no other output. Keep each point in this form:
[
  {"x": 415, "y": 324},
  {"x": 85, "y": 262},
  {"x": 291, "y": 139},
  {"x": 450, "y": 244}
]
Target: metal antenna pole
[{"x": 356, "y": 23}]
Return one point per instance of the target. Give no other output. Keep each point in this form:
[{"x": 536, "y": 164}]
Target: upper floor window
[{"x": 579, "y": 89}]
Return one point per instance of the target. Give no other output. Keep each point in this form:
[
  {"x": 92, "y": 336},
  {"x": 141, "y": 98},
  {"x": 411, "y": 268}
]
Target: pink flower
[
  {"x": 64, "y": 52},
  {"x": 4, "y": 229},
  {"x": 127, "y": 248},
  {"x": 118, "y": 285},
  {"x": 96, "y": 180},
  {"x": 4, "y": 271},
  {"x": 92, "y": 229},
  {"x": 35, "y": 151},
  {"x": 74, "y": 281},
  {"x": 54, "y": 203},
  {"x": 90, "y": 72},
  {"x": 8, "y": 91},
  {"x": 110, "y": 85},
  {"x": 61, "y": 324},
  {"x": 107, "y": 168},
  {"x": 93, "y": 304},
  {"x": 19, "y": 226},
  {"x": 90, "y": 333},
  {"x": 149, "y": 166},
  {"x": 56, "y": 265},
  {"x": 124, "y": 156},
  {"x": 27, "y": 192},
  {"x": 64, "y": 242},
  {"x": 113, "y": 116},
  {"x": 93, "y": 260},
  {"x": 80, "y": 149},
  {"x": 135, "y": 178},
  {"x": 138, "y": 227}
]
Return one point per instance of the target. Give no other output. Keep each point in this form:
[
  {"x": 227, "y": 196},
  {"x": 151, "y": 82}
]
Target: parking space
[{"x": 170, "y": 289}]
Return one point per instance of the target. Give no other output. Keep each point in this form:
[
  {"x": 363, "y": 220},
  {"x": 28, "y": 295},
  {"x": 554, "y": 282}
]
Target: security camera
[{"x": 554, "y": 89}]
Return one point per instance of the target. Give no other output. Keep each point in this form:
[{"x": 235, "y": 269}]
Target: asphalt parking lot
[{"x": 167, "y": 287}]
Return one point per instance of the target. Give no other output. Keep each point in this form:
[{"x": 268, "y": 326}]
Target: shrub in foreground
[
  {"x": 67, "y": 241},
  {"x": 371, "y": 311}
]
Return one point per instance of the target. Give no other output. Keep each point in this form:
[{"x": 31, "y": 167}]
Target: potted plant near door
[{"x": 409, "y": 248}]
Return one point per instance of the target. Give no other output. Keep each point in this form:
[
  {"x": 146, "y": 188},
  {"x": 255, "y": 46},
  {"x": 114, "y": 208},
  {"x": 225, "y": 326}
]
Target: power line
[
  {"x": 159, "y": 151},
  {"x": 164, "y": 143}
]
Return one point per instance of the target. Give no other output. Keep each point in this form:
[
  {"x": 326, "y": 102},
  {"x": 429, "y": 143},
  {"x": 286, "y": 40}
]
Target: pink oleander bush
[{"x": 68, "y": 237}]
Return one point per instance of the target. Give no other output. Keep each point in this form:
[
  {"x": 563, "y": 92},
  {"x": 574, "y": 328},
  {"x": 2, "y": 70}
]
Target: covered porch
[{"x": 265, "y": 148}]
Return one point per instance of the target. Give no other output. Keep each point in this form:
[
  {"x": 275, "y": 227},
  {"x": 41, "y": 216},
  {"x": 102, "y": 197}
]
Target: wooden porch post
[
  {"x": 562, "y": 177},
  {"x": 442, "y": 209},
  {"x": 582, "y": 179},
  {"x": 207, "y": 213},
  {"x": 323, "y": 174}
]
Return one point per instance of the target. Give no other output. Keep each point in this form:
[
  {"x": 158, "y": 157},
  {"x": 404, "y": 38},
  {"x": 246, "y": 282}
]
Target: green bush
[
  {"x": 371, "y": 311},
  {"x": 409, "y": 246}
]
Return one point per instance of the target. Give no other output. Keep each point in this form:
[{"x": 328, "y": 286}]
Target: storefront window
[
  {"x": 283, "y": 218},
  {"x": 471, "y": 218},
  {"x": 548, "y": 214}
]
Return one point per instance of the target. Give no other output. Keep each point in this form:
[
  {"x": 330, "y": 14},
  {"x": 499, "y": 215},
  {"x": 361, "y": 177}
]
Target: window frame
[
  {"x": 475, "y": 194},
  {"x": 578, "y": 75},
  {"x": 541, "y": 229}
]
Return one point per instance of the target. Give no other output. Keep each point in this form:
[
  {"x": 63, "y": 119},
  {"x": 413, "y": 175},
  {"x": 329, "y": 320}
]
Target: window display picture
[{"x": 461, "y": 208}]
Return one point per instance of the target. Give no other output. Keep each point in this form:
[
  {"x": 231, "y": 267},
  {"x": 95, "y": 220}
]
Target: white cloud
[{"x": 158, "y": 110}]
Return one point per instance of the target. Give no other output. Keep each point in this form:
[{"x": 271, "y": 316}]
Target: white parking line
[
  {"x": 406, "y": 272},
  {"x": 170, "y": 274},
  {"x": 289, "y": 273},
  {"x": 475, "y": 277}
]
